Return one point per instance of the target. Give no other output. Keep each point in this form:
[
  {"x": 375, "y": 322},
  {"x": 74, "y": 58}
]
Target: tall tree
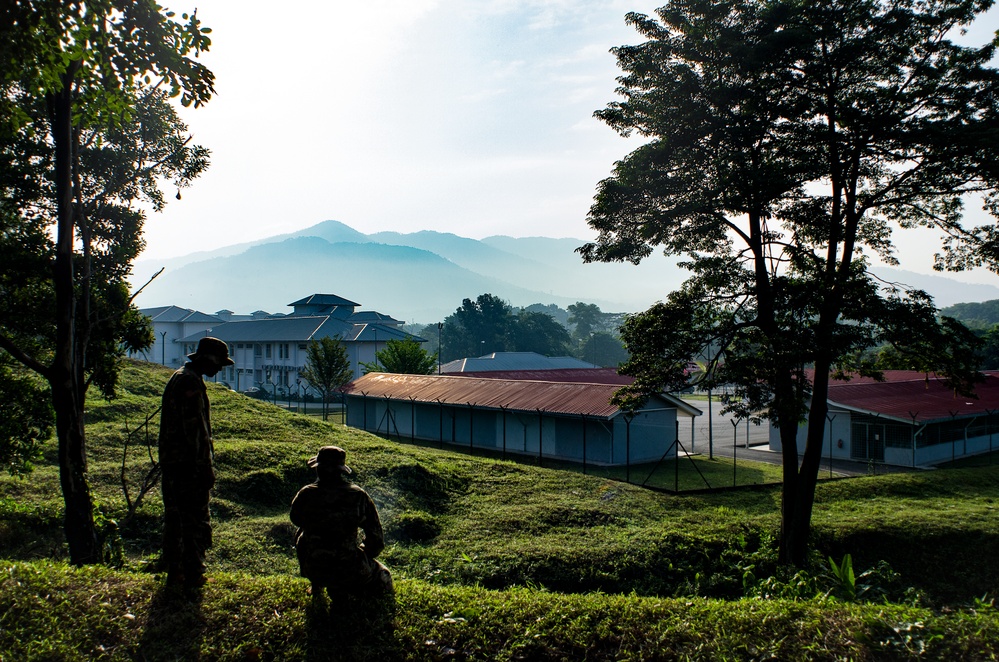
[
  {"x": 540, "y": 333},
  {"x": 783, "y": 139},
  {"x": 477, "y": 327},
  {"x": 404, "y": 357},
  {"x": 72, "y": 75},
  {"x": 586, "y": 318},
  {"x": 327, "y": 368},
  {"x": 603, "y": 349}
]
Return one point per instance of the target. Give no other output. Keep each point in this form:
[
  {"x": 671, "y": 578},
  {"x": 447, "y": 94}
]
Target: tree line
[{"x": 489, "y": 324}]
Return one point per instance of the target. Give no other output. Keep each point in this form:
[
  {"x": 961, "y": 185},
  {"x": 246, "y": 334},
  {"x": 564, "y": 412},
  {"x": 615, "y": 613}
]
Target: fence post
[
  {"x": 503, "y": 409},
  {"x": 412, "y": 418},
  {"x": 913, "y": 417},
  {"x": 471, "y": 428},
  {"x": 364, "y": 405},
  {"x": 830, "y": 419},
  {"x": 627, "y": 447},
  {"x": 541, "y": 434},
  {"x": 440, "y": 412},
  {"x": 988, "y": 423},
  {"x": 735, "y": 444},
  {"x": 676, "y": 457}
]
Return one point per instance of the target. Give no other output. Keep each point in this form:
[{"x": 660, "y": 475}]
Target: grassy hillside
[{"x": 493, "y": 559}]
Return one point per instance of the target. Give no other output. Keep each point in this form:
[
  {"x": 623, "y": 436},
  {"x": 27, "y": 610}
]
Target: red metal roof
[
  {"x": 909, "y": 396},
  {"x": 517, "y": 395}
]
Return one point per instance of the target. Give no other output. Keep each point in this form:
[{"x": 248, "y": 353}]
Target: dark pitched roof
[
  {"x": 508, "y": 361},
  {"x": 285, "y": 329},
  {"x": 578, "y": 375},
  {"x": 369, "y": 316},
  {"x": 377, "y": 333},
  {"x": 168, "y": 314},
  {"x": 301, "y": 329},
  {"x": 323, "y": 300}
]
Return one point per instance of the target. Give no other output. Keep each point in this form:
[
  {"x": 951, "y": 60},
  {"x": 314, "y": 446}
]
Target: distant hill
[
  {"x": 420, "y": 277},
  {"x": 977, "y": 315},
  {"x": 423, "y": 276}
]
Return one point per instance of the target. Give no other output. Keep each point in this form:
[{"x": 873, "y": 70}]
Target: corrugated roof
[
  {"x": 578, "y": 375},
  {"x": 513, "y": 395},
  {"x": 908, "y": 396}
]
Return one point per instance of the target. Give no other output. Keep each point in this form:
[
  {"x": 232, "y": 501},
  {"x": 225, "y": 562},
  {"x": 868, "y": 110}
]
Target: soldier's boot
[
  {"x": 382, "y": 581},
  {"x": 194, "y": 575}
]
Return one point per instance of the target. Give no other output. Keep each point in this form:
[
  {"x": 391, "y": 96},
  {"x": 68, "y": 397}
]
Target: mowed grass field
[{"x": 493, "y": 559}]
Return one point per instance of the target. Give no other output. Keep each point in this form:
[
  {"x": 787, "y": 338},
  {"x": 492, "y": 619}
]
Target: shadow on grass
[
  {"x": 175, "y": 626},
  {"x": 352, "y": 628}
]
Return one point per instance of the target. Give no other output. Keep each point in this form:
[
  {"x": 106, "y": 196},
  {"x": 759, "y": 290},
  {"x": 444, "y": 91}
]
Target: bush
[{"x": 414, "y": 526}]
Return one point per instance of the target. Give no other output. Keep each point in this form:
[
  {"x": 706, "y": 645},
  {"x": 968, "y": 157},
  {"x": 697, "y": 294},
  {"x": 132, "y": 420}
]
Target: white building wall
[{"x": 839, "y": 429}]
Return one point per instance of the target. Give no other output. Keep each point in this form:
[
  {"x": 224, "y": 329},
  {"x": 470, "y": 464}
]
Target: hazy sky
[{"x": 464, "y": 116}]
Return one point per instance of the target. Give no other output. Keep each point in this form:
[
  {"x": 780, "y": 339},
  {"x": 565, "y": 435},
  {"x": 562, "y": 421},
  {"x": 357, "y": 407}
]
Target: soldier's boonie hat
[
  {"x": 332, "y": 457},
  {"x": 213, "y": 348}
]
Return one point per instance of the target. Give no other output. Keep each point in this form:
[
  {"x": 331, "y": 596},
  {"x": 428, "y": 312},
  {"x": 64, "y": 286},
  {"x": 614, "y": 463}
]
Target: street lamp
[{"x": 440, "y": 325}]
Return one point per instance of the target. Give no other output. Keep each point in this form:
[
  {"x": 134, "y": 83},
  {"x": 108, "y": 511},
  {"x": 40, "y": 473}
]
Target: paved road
[{"x": 721, "y": 435}]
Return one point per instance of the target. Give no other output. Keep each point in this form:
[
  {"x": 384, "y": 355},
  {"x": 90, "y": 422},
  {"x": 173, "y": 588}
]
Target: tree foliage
[
  {"x": 327, "y": 368},
  {"x": 405, "y": 357},
  {"x": 27, "y": 416},
  {"x": 488, "y": 324},
  {"x": 785, "y": 143},
  {"x": 87, "y": 134},
  {"x": 477, "y": 327},
  {"x": 539, "y": 333},
  {"x": 603, "y": 349},
  {"x": 975, "y": 315}
]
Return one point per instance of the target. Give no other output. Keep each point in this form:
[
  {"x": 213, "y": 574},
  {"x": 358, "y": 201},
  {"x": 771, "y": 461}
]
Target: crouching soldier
[{"x": 328, "y": 514}]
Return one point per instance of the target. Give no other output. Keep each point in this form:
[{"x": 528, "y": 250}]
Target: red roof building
[
  {"x": 909, "y": 419},
  {"x": 562, "y": 420}
]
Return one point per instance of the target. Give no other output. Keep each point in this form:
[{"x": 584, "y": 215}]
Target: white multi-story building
[{"x": 270, "y": 350}]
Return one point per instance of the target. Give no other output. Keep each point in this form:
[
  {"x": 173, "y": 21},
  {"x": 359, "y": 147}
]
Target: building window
[
  {"x": 256, "y": 350},
  {"x": 301, "y": 348},
  {"x": 283, "y": 351},
  {"x": 267, "y": 351}
]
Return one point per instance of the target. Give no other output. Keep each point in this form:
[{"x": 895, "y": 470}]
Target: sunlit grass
[{"x": 468, "y": 531}]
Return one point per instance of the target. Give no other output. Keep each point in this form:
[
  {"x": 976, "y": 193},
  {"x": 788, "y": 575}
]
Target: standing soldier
[
  {"x": 328, "y": 514},
  {"x": 186, "y": 455}
]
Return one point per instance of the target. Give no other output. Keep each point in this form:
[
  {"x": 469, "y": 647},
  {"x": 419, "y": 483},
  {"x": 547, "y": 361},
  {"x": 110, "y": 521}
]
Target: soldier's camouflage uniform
[
  {"x": 329, "y": 513},
  {"x": 186, "y": 454}
]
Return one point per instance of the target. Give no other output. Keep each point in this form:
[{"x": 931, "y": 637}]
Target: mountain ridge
[{"x": 424, "y": 276}]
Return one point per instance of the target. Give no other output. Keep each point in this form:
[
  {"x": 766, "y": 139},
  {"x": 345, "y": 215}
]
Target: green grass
[
  {"x": 99, "y": 614},
  {"x": 536, "y": 561}
]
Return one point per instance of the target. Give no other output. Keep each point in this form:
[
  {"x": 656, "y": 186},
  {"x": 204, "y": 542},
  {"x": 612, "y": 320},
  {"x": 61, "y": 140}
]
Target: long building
[
  {"x": 910, "y": 419},
  {"x": 558, "y": 420}
]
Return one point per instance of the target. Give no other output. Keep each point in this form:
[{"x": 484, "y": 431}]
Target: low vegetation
[{"x": 495, "y": 560}]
